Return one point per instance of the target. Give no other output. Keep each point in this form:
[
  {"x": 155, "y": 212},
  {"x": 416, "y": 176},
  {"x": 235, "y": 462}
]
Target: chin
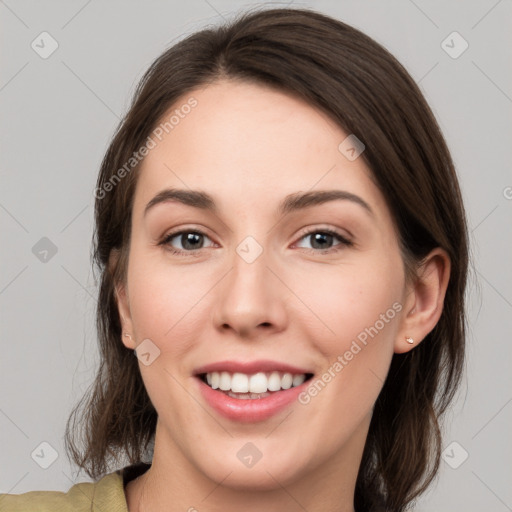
[
  {"x": 249, "y": 468},
  {"x": 261, "y": 477}
]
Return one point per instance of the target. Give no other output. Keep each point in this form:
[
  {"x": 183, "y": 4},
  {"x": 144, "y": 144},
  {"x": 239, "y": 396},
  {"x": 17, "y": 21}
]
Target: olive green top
[{"x": 105, "y": 495}]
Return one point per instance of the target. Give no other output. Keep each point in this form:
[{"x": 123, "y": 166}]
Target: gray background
[{"x": 57, "y": 116}]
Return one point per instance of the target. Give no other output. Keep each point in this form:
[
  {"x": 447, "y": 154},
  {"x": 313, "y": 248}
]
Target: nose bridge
[
  {"x": 249, "y": 296},
  {"x": 248, "y": 283}
]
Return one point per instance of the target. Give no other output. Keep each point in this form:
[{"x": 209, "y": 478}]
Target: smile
[
  {"x": 249, "y": 395},
  {"x": 258, "y": 385}
]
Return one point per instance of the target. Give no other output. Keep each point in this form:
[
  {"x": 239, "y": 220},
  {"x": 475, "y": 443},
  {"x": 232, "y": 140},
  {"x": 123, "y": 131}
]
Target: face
[{"x": 240, "y": 286}]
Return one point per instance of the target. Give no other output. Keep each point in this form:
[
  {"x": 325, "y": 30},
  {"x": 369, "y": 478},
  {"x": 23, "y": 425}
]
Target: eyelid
[
  {"x": 186, "y": 229},
  {"x": 344, "y": 241},
  {"x": 319, "y": 228}
]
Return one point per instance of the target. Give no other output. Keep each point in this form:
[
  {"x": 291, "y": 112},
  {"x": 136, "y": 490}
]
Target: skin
[{"x": 249, "y": 146}]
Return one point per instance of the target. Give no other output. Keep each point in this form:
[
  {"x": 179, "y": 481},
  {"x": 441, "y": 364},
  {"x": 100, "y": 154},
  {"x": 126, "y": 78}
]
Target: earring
[{"x": 409, "y": 340}]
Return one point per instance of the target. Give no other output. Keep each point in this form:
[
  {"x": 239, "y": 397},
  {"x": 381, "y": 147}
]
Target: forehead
[{"x": 246, "y": 144}]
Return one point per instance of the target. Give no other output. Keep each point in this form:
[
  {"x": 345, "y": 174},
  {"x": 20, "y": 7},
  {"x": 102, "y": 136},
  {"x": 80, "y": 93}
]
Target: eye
[
  {"x": 321, "y": 240},
  {"x": 190, "y": 240},
  {"x": 193, "y": 240}
]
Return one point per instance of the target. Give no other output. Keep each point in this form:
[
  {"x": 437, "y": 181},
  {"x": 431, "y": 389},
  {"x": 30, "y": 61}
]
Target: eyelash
[{"x": 344, "y": 242}]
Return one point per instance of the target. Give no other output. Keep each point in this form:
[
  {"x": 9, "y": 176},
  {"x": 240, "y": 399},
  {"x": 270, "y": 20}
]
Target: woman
[{"x": 282, "y": 243}]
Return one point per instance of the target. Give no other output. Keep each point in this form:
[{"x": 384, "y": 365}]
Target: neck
[{"x": 173, "y": 483}]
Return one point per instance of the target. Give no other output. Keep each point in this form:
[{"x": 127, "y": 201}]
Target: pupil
[
  {"x": 318, "y": 236},
  {"x": 190, "y": 237},
  {"x": 194, "y": 238}
]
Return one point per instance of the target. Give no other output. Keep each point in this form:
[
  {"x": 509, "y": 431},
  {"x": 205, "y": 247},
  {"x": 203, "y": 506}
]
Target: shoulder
[{"x": 105, "y": 494}]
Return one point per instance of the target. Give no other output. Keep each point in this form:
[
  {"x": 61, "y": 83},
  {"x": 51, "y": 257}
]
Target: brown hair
[{"x": 357, "y": 82}]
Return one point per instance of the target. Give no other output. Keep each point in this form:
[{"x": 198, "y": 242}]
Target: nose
[{"x": 251, "y": 299}]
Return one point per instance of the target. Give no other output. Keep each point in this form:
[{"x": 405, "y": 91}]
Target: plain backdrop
[{"x": 57, "y": 115}]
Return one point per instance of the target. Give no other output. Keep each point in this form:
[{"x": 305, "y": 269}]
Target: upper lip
[{"x": 250, "y": 367}]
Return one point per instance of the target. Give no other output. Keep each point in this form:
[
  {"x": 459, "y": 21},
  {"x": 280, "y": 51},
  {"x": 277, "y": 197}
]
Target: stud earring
[{"x": 409, "y": 340}]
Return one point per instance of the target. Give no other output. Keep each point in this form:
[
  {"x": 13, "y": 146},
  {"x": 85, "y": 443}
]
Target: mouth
[
  {"x": 242, "y": 386},
  {"x": 250, "y": 392}
]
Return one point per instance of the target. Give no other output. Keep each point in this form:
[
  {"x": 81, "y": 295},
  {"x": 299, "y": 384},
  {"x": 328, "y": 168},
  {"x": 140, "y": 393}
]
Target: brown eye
[{"x": 190, "y": 240}]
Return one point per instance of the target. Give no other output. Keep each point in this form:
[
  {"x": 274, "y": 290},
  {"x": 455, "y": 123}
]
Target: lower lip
[{"x": 252, "y": 409}]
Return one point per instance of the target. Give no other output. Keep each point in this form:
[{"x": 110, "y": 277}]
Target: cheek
[
  {"x": 163, "y": 298},
  {"x": 359, "y": 310},
  {"x": 165, "y": 303},
  {"x": 345, "y": 301}
]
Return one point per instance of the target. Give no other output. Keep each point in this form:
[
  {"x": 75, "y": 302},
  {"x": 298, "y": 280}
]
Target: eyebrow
[{"x": 292, "y": 202}]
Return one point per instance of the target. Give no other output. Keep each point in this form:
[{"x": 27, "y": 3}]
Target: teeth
[
  {"x": 274, "y": 382},
  {"x": 286, "y": 382},
  {"x": 259, "y": 383},
  {"x": 239, "y": 383},
  {"x": 215, "y": 380},
  {"x": 247, "y": 396},
  {"x": 225, "y": 381},
  {"x": 298, "y": 380}
]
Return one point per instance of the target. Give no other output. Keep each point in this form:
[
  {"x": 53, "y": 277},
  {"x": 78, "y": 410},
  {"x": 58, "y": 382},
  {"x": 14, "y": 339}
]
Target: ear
[
  {"x": 123, "y": 303},
  {"x": 424, "y": 300}
]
